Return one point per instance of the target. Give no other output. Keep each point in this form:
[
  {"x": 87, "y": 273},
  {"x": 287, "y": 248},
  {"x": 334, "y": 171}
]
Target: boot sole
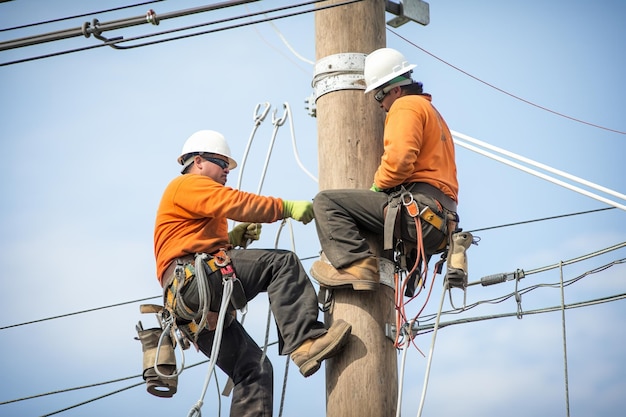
[
  {"x": 357, "y": 285},
  {"x": 311, "y": 366}
]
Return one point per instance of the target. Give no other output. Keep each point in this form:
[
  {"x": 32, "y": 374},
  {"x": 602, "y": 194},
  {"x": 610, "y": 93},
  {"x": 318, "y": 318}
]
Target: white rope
[
  {"x": 432, "y": 349},
  {"x": 401, "y": 376},
  {"x": 540, "y": 165},
  {"x": 295, "y": 148},
  {"x": 204, "y": 290},
  {"x": 257, "y": 116},
  {"x": 564, "y": 342},
  {"x": 215, "y": 348},
  {"x": 178, "y": 371},
  {"x": 277, "y": 122},
  {"x": 541, "y": 175}
]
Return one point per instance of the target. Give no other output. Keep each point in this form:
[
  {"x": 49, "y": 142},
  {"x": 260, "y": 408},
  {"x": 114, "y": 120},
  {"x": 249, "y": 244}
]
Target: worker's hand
[
  {"x": 243, "y": 232},
  {"x": 253, "y": 231},
  {"x": 374, "y": 187},
  {"x": 301, "y": 211}
]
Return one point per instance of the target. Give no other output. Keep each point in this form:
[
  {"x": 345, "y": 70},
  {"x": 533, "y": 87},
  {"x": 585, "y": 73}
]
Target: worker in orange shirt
[
  {"x": 191, "y": 232},
  {"x": 416, "y": 182}
]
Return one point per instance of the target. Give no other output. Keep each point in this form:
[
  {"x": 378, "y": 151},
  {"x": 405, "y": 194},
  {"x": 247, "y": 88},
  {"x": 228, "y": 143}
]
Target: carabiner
[{"x": 410, "y": 204}]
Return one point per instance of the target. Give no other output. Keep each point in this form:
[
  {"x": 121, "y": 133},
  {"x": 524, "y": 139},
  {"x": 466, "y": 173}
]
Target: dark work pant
[
  {"x": 341, "y": 216},
  {"x": 240, "y": 358},
  {"x": 294, "y": 306}
]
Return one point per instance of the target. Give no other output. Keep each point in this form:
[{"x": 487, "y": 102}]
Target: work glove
[
  {"x": 243, "y": 233},
  {"x": 301, "y": 211},
  {"x": 374, "y": 187}
]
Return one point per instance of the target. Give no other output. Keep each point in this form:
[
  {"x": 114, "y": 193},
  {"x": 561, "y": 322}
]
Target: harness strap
[
  {"x": 405, "y": 198},
  {"x": 199, "y": 266},
  {"x": 434, "y": 192},
  {"x": 393, "y": 208}
]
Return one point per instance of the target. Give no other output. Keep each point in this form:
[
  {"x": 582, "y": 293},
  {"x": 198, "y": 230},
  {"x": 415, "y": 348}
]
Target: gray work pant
[
  {"x": 294, "y": 306},
  {"x": 341, "y": 215}
]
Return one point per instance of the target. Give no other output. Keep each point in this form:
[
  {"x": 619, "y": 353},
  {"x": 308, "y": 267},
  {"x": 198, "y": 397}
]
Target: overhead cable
[
  {"x": 621, "y": 132},
  {"x": 459, "y": 138},
  {"x": 80, "y": 312},
  {"x": 115, "y": 9},
  {"x": 87, "y": 30},
  {"x": 115, "y": 41},
  {"x": 503, "y": 277},
  {"x": 540, "y": 220},
  {"x": 587, "y": 303}
]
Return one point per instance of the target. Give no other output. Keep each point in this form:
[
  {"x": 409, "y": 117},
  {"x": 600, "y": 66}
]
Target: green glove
[
  {"x": 253, "y": 232},
  {"x": 374, "y": 187},
  {"x": 301, "y": 211},
  {"x": 243, "y": 233}
]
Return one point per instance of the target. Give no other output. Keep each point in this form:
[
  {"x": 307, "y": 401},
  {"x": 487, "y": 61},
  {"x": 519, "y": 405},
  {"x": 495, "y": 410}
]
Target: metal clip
[
  {"x": 221, "y": 258},
  {"x": 151, "y": 17},
  {"x": 410, "y": 204},
  {"x": 518, "y": 299},
  {"x": 325, "y": 299}
]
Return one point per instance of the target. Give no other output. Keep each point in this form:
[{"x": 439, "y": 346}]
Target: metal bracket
[
  {"x": 391, "y": 330},
  {"x": 338, "y": 72},
  {"x": 407, "y": 10},
  {"x": 387, "y": 271}
]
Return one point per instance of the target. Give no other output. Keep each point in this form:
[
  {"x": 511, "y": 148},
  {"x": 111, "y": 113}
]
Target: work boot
[
  {"x": 456, "y": 273},
  {"x": 362, "y": 275},
  {"x": 312, "y": 352}
]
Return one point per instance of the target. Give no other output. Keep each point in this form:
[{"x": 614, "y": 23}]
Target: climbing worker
[
  {"x": 416, "y": 178},
  {"x": 191, "y": 233}
]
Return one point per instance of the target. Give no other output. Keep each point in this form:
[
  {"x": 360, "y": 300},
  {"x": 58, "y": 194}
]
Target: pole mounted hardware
[{"x": 408, "y": 10}]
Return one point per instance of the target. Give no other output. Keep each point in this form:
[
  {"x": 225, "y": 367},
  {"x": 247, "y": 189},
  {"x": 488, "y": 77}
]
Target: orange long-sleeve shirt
[
  {"x": 418, "y": 147},
  {"x": 193, "y": 217}
]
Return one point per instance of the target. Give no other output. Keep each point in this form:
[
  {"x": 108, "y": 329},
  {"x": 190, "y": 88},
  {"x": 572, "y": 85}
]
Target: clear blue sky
[{"x": 90, "y": 140}]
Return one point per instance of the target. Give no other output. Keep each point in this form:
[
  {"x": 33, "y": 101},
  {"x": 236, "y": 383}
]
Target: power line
[
  {"x": 98, "y": 27},
  {"x": 420, "y": 328},
  {"x": 303, "y": 259},
  {"x": 93, "y": 399},
  {"x": 502, "y": 298},
  {"x": 587, "y": 303},
  {"x": 78, "y": 15},
  {"x": 504, "y": 91},
  {"x": 541, "y": 220},
  {"x": 80, "y": 312},
  {"x": 115, "y": 41}
]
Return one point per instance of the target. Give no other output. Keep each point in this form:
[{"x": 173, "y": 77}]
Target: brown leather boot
[
  {"x": 312, "y": 352},
  {"x": 362, "y": 275}
]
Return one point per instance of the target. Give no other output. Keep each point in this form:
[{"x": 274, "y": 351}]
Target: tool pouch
[
  {"x": 158, "y": 385},
  {"x": 456, "y": 272}
]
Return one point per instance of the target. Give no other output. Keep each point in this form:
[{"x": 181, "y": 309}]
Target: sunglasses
[
  {"x": 217, "y": 161},
  {"x": 380, "y": 95}
]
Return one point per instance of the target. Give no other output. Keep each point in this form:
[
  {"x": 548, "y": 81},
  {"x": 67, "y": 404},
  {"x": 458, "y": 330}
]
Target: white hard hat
[
  {"x": 382, "y": 66},
  {"x": 205, "y": 141}
]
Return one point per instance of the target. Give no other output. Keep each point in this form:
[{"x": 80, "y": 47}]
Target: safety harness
[
  {"x": 446, "y": 223},
  {"x": 409, "y": 281},
  {"x": 180, "y": 324}
]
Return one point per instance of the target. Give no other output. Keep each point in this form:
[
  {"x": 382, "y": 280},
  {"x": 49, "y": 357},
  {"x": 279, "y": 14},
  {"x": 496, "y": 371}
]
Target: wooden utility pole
[{"x": 362, "y": 380}]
